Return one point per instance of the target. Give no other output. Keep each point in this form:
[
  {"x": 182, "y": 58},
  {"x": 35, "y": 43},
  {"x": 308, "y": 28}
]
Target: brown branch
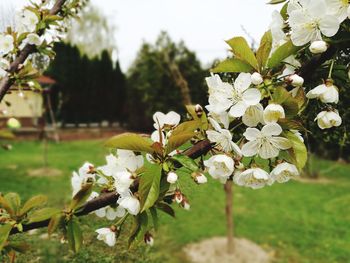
[
  {"x": 105, "y": 199},
  {"x": 7, "y": 82}
]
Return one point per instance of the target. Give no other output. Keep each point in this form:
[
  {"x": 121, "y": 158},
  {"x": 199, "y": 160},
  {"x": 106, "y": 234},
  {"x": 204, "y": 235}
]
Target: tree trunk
[{"x": 229, "y": 216}]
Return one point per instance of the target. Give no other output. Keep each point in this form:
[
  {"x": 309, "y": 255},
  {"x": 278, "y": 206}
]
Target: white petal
[
  {"x": 250, "y": 148},
  {"x": 281, "y": 143},
  {"x": 252, "y": 134},
  {"x": 251, "y": 96},
  {"x": 271, "y": 129},
  {"x": 243, "y": 81},
  {"x": 238, "y": 109},
  {"x": 267, "y": 150}
]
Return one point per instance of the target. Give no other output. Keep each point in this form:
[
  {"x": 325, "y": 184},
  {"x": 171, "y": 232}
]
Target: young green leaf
[
  {"x": 275, "y": 2},
  {"x": 242, "y": 51},
  {"x": 131, "y": 141},
  {"x": 175, "y": 141},
  {"x": 298, "y": 151},
  {"x": 14, "y": 201},
  {"x": 166, "y": 209},
  {"x": 282, "y": 53},
  {"x": 188, "y": 126},
  {"x": 139, "y": 229},
  {"x": 33, "y": 202},
  {"x": 43, "y": 214},
  {"x": 6, "y": 205},
  {"x": 264, "y": 50},
  {"x": 154, "y": 215},
  {"x": 54, "y": 223},
  {"x": 149, "y": 187},
  {"x": 232, "y": 65},
  {"x": 74, "y": 234},
  {"x": 186, "y": 161},
  {"x": 4, "y": 234},
  {"x": 81, "y": 197}
]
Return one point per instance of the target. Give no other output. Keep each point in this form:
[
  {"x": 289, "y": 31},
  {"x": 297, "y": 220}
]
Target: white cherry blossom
[
  {"x": 220, "y": 167},
  {"x": 327, "y": 93},
  {"x": 223, "y": 138},
  {"x": 106, "y": 235},
  {"x": 26, "y": 21},
  {"x": 266, "y": 143},
  {"x": 254, "y": 178},
  {"x": 273, "y": 112},
  {"x": 283, "y": 172},
  {"x": 257, "y": 79},
  {"x": 253, "y": 115},
  {"x": 6, "y": 44},
  {"x": 309, "y": 21},
  {"x": 339, "y": 8},
  {"x": 328, "y": 119},
  {"x": 84, "y": 175},
  {"x": 161, "y": 120},
  {"x": 172, "y": 178},
  {"x": 130, "y": 203}
]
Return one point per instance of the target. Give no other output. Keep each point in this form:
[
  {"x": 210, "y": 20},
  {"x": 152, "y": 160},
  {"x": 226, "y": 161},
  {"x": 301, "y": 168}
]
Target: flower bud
[
  {"x": 199, "y": 178},
  {"x": 318, "y": 47},
  {"x": 199, "y": 110},
  {"x": 172, "y": 177},
  {"x": 273, "y": 112},
  {"x": 13, "y": 123},
  {"x": 148, "y": 238},
  {"x": 185, "y": 204},
  {"x": 295, "y": 80},
  {"x": 239, "y": 166},
  {"x": 178, "y": 197},
  {"x": 257, "y": 78}
]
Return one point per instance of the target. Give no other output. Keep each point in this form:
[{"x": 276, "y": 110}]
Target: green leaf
[
  {"x": 284, "y": 11},
  {"x": 14, "y": 202},
  {"x": 54, "y": 222},
  {"x": 264, "y": 50},
  {"x": 282, "y": 53},
  {"x": 33, "y": 202},
  {"x": 4, "y": 234},
  {"x": 166, "y": 209},
  {"x": 81, "y": 197},
  {"x": 139, "y": 229},
  {"x": 154, "y": 215},
  {"x": 298, "y": 151},
  {"x": 186, "y": 161},
  {"x": 74, "y": 234},
  {"x": 285, "y": 98},
  {"x": 6, "y": 205},
  {"x": 275, "y": 2},
  {"x": 232, "y": 65},
  {"x": 288, "y": 124},
  {"x": 176, "y": 141},
  {"x": 242, "y": 51},
  {"x": 185, "y": 127},
  {"x": 131, "y": 141},
  {"x": 43, "y": 214},
  {"x": 149, "y": 187}
]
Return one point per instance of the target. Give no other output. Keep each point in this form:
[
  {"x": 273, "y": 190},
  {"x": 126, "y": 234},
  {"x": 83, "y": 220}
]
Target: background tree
[{"x": 151, "y": 85}]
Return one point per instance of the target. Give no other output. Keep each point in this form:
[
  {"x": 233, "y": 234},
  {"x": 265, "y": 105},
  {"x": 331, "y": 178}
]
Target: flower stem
[{"x": 331, "y": 69}]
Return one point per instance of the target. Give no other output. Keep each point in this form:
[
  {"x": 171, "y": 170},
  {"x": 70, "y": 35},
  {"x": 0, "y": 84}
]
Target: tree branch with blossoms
[
  {"x": 20, "y": 45},
  {"x": 252, "y": 128}
]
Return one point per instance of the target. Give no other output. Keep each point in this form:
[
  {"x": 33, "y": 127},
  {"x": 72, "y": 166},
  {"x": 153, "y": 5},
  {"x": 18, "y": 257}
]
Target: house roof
[{"x": 46, "y": 80}]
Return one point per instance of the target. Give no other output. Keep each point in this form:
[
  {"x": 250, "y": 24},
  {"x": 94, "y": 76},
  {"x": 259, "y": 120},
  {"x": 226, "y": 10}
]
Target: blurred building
[{"x": 26, "y": 105}]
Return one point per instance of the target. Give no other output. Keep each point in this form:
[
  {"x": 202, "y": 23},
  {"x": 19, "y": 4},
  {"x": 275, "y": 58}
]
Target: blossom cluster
[
  {"x": 36, "y": 27},
  {"x": 253, "y": 100}
]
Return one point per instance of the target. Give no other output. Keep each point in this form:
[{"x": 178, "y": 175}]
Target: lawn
[{"x": 295, "y": 222}]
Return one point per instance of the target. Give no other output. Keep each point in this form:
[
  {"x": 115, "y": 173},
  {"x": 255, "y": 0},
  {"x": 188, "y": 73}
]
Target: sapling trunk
[{"x": 229, "y": 216}]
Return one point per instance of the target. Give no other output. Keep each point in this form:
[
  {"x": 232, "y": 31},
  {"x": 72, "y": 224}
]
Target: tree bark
[{"x": 229, "y": 216}]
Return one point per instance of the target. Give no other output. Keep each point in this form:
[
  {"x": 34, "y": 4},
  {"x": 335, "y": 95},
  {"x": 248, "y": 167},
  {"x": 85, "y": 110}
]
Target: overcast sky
[{"x": 202, "y": 24}]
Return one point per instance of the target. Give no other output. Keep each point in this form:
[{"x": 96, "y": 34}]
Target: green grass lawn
[{"x": 296, "y": 222}]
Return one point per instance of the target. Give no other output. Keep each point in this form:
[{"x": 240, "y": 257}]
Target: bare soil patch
[
  {"x": 45, "y": 172},
  {"x": 213, "y": 250}
]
